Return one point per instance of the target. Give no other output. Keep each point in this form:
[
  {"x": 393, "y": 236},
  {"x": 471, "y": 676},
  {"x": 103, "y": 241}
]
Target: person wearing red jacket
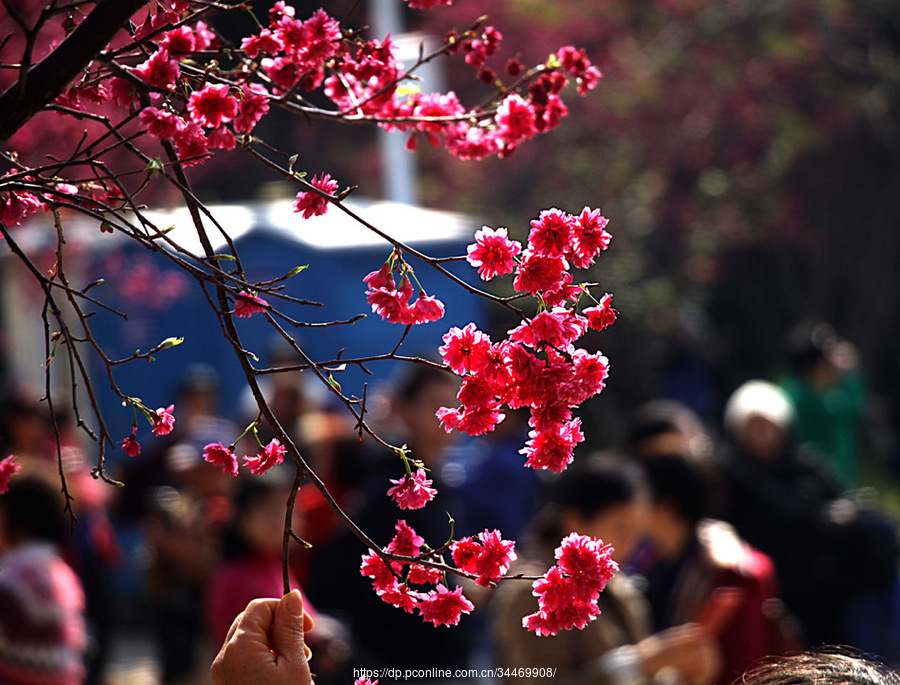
[{"x": 699, "y": 570}]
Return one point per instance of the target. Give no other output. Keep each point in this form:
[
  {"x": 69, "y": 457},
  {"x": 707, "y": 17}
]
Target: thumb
[{"x": 288, "y": 627}]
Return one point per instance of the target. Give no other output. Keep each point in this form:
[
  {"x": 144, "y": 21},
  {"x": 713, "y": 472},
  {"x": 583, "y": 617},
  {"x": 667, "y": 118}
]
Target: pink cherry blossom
[
  {"x": 179, "y": 40},
  {"x": 247, "y": 304},
  {"x": 468, "y": 142},
  {"x": 590, "y": 237},
  {"x": 217, "y": 454},
  {"x": 251, "y": 108},
  {"x": 588, "y": 560},
  {"x": 130, "y": 445},
  {"x": 576, "y": 63},
  {"x": 564, "y": 292},
  {"x": 222, "y": 138},
  {"x": 427, "y": 4},
  {"x": 398, "y": 594},
  {"x": 602, "y": 315},
  {"x": 435, "y": 105},
  {"x": 515, "y": 120},
  {"x": 311, "y": 203},
  {"x": 539, "y": 272},
  {"x": 424, "y": 575},
  {"x": 280, "y": 9},
  {"x": 390, "y": 305},
  {"x": 488, "y": 557},
  {"x": 212, "y": 106},
  {"x": 383, "y": 278},
  {"x": 550, "y": 115},
  {"x": 493, "y": 253},
  {"x": 558, "y": 328},
  {"x": 322, "y": 34},
  {"x": 465, "y": 350},
  {"x": 16, "y": 205},
  {"x": 271, "y": 455},
  {"x": 283, "y": 71},
  {"x": 412, "y": 492},
  {"x": 476, "y": 391},
  {"x": 406, "y": 541},
  {"x": 8, "y": 468},
  {"x": 159, "y": 70},
  {"x": 204, "y": 39},
  {"x": 472, "y": 421},
  {"x": 192, "y": 144},
  {"x": 264, "y": 41},
  {"x": 425, "y": 309},
  {"x": 444, "y": 607},
  {"x": 121, "y": 92},
  {"x": 590, "y": 373},
  {"x": 548, "y": 415},
  {"x": 163, "y": 420},
  {"x": 552, "y": 448},
  {"x": 373, "y": 567},
  {"x": 567, "y": 594},
  {"x": 551, "y": 233},
  {"x": 161, "y": 123}
]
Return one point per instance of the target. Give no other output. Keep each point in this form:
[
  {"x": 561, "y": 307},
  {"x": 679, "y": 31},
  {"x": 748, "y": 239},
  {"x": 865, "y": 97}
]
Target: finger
[
  {"x": 288, "y": 626},
  {"x": 234, "y": 625},
  {"x": 256, "y": 625}
]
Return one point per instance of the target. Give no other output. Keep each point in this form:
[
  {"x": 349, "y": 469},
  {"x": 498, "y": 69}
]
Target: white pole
[{"x": 398, "y": 163}]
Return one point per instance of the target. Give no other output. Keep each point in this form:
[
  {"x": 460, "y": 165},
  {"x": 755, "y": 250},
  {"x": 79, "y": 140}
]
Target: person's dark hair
[
  {"x": 598, "y": 482},
  {"x": 820, "y": 668},
  {"x": 33, "y": 510},
  {"x": 593, "y": 484},
  {"x": 662, "y": 416},
  {"x": 808, "y": 344},
  {"x": 679, "y": 482},
  {"x": 251, "y": 493},
  {"x": 199, "y": 377}
]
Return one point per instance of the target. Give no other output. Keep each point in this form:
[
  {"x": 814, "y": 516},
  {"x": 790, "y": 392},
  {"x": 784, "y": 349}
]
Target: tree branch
[{"x": 50, "y": 77}]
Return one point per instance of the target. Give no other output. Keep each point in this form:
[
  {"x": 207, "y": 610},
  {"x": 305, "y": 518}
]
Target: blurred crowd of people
[{"x": 737, "y": 539}]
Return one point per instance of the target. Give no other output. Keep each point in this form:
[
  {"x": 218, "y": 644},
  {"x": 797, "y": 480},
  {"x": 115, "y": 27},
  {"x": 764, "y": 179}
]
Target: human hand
[
  {"x": 265, "y": 645},
  {"x": 688, "y": 649}
]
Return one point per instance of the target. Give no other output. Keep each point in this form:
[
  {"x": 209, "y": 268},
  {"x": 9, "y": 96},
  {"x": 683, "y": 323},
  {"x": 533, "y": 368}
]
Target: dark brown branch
[{"x": 50, "y": 77}]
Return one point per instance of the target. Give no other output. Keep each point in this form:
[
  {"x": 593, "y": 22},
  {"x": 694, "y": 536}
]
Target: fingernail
[{"x": 294, "y": 603}]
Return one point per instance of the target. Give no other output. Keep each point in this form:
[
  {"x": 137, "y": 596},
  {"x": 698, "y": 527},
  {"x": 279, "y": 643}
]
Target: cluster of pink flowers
[
  {"x": 219, "y": 455},
  {"x": 247, "y": 304},
  {"x": 271, "y": 455},
  {"x": 294, "y": 55},
  {"x": 440, "y": 605},
  {"x": 298, "y": 49},
  {"x": 130, "y": 445},
  {"x": 538, "y": 366},
  {"x": 567, "y": 594},
  {"x": 427, "y": 4},
  {"x": 487, "y": 557},
  {"x": 311, "y": 203},
  {"x": 163, "y": 420},
  {"x": 8, "y": 468},
  {"x": 368, "y": 81},
  {"x": 576, "y": 63},
  {"x": 16, "y": 205},
  {"x": 413, "y": 491},
  {"x": 391, "y": 302}
]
